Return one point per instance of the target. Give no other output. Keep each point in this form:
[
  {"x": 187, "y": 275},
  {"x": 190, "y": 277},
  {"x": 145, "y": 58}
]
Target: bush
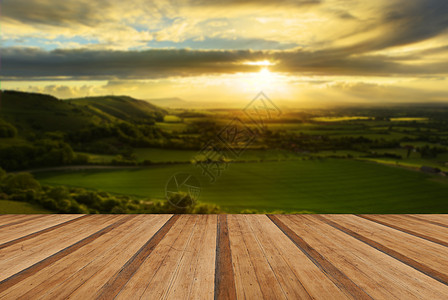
[
  {"x": 21, "y": 182},
  {"x": 7, "y": 130},
  {"x": 180, "y": 203},
  {"x": 2, "y": 174}
]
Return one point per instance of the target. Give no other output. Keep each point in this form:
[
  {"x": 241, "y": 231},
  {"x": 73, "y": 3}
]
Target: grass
[
  {"x": 408, "y": 119},
  {"x": 172, "y": 119},
  {"x": 158, "y": 155},
  {"x": 16, "y": 207},
  {"x": 320, "y": 186},
  {"x": 340, "y": 119},
  {"x": 171, "y": 127},
  {"x": 164, "y": 155}
]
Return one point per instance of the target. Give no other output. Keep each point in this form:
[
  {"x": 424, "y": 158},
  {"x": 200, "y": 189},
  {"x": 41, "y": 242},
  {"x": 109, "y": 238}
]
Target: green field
[
  {"x": 341, "y": 119},
  {"x": 158, "y": 155},
  {"x": 16, "y": 207},
  {"x": 320, "y": 186}
]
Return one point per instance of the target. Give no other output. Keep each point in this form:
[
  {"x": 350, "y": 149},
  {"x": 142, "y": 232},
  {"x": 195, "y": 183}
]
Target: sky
[{"x": 303, "y": 51}]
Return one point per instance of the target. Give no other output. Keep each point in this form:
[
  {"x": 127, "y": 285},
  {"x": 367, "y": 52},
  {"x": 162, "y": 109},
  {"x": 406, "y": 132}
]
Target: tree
[
  {"x": 7, "y": 130},
  {"x": 2, "y": 174},
  {"x": 21, "y": 182}
]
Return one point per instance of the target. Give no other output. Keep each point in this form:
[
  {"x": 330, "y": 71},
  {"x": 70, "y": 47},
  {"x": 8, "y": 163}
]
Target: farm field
[
  {"x": 318, "y": 186},
  {"x": 172, "y": 155}
]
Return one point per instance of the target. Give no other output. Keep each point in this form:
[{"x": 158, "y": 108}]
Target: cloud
[
  {"x": 371, "y": 92},
  {"x": 57, "y": 13},
  {"x": 403, "y": 22},
  {"x": 29, "y": 63},
  {"x": 355, "y": 26},
  {"x": 288, "y": 3},
  {"x": 66, "y": 91},
  {"x": 225, "y": 44},
  {"x": 33, "y": 63}
]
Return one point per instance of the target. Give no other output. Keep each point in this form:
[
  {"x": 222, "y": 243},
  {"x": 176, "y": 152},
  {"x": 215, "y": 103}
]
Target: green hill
[
  {"x": 39, "y": 130},
  {"x": 120, "y": 108},
  {"x": 31, "y": 111}
]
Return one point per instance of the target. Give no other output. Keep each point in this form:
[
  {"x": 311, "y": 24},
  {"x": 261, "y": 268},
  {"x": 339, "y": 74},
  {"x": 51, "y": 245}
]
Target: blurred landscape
[
  {"x": 124, "y": 107},
  {"x": 115, "y": 154}
]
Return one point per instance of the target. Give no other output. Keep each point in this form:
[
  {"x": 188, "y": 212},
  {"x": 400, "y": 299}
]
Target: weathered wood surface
[{"x": 223, "y": 256}]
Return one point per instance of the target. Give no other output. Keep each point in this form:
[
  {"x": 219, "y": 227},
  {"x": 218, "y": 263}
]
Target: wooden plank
[
  {"x": 153, "y": 279},
  {"x": 378, "y": 274},
  {"x": 246, "y": 281},
  {"x": 425, "y": 256},
  {"x": 333, "y": 273},
  {"x": 50, "y": 277},
  {"x": 23, "y": 255},
  {"x": 194, "y": 276},
  {"x": 441, "y": 220},
  {"x": 111, "y": 263},
  {"x": 83, "y": 273},
  {"x": 418, "y": 228},
  {"x": 10, "y": 220},
  {"x": 128, "y": 270},
  {"x": 22, "y": 232},
  {"x": 224, "y": 277},
  {"x": 5, "y": 219},
  {"x": 298, "y": 276},
  {"x": 25, "y": 273}
]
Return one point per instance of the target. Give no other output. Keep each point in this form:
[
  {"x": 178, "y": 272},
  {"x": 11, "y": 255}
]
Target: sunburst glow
[{"x": 260, "y": 63}]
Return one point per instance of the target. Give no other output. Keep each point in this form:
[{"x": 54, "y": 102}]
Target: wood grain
[
  {"x": 334, "y": 274},
  {"x": 411, "y": 226},
  {"x": 10, "y": 220},
  {"x": 378, "y": 274},
  {"x": 22, "y": 232},
  {"x": 25, "y": 273},
  {"x": 224, "y": 277},
  {"x": 427, "y": 257},
  {"x": 121, "y": 277}
]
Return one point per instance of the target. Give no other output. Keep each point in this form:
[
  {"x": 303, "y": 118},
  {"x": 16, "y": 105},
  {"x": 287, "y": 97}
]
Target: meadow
[
  {"x": 314, "y": 185},
  {"x": 16, "y": 207}
]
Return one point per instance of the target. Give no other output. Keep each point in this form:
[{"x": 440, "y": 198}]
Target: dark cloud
[
  {"x": 29, "y": 63},
  {"x": 405, "y": 22},
  {"x": 252, "y": 2},
  {"x": 81, "y": 63},
  {"x": 337, "y": 62}
]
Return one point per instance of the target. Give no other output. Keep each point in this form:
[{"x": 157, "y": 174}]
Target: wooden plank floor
[{"x": 223, "y": 256}]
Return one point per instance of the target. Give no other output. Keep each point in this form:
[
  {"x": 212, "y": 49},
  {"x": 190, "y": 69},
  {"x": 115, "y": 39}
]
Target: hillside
[
  {"x": 39, "y": 130},
  {"x": 120, "y": 108},
  {"x": 30, "y": 111}
]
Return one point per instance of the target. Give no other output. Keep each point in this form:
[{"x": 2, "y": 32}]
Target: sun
[
  {"x": 263, "y": 78},
  {"x": 265, "y": 74}
]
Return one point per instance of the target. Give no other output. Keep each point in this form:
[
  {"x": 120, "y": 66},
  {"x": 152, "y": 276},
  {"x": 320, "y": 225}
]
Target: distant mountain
[
  {"x": 31, "y": 111},
  {"x": 174, "y": 102}
]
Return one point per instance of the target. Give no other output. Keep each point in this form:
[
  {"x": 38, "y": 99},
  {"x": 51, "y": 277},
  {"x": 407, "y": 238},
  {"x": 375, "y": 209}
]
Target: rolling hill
[
  {"x": 31, "y": 111},
  {"x": 120, "y": 108}
]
